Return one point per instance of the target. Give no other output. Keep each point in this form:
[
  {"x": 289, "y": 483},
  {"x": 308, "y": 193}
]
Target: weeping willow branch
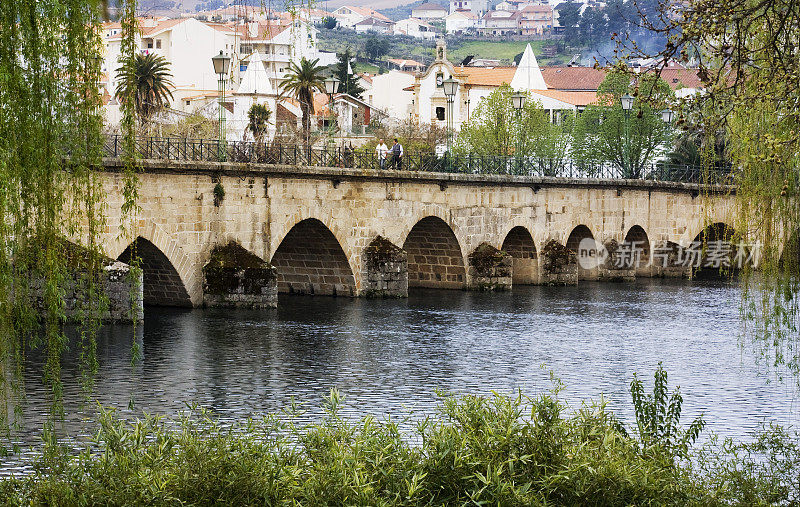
[{"x": 50, "y": 196}]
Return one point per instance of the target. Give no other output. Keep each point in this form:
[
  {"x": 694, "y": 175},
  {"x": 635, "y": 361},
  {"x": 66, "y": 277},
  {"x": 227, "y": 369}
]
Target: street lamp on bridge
[
  {"x": 627, "y": 104},
  {"x": 330, "y": 88},
  {"x": 518, "y": 102},
  {"x": 221, "y": 65},
  {"x": 450, "y": 86}
]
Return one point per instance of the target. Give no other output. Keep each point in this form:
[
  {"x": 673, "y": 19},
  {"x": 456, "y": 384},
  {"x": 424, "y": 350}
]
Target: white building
[
  {"x": 189, "y": 44},
  {"x": 476, "y": 83},
  {"x": 461, "y": 21},
  {"x": 372, "y": 24},
  {"x": 183, "y": 42},
  {"x": 415, "y": 28},
  {"x": 348, "y": 15},
  {"x": 255, "y": 88},
  {"x": 477, "y": 7},
  {"x": 390, "y": 93}
]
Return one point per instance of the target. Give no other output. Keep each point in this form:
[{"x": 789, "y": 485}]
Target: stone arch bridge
[{"x": 345, "y": 232}]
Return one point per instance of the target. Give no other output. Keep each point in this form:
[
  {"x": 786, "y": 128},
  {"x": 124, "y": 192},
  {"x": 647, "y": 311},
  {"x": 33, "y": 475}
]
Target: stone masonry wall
[
  {"x": 310, "y": 261},
  {"x": 353, "y": 207},
  {"x": 122, "y": 294},
  {"x": 235, "y": 278},
  {"x": 434, "y": 257},
  {"x": 490, "y": 269},
  {"x": 385, "y": 270}
]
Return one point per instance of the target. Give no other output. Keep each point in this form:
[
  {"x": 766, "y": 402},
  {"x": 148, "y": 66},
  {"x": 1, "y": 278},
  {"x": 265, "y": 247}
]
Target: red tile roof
[
  {"x": 486, "y": 76},
  {"x": 573, "y": 78}
]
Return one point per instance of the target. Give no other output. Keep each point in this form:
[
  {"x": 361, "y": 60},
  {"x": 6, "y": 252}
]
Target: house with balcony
[
  {"x": 535, "y": 19},
  {"x": 500, "y": 23}
]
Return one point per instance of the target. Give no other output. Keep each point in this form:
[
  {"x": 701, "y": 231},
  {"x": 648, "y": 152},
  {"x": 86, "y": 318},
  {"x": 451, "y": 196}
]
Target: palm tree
[
  {"x": 146, "y": 81},
  {"x": 258, "y": 120},
  {"x": 301, "y": 82}
]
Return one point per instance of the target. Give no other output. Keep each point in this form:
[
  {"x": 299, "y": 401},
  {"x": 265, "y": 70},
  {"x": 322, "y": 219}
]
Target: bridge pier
[
  {"x": 490, "y": 269},
  {"x": 235, "y": 278},
  {"x": 385, "y": 272}
]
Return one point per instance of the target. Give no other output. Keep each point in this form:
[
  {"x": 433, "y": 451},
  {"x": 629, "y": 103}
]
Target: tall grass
[{"x": 497, "y": 450}]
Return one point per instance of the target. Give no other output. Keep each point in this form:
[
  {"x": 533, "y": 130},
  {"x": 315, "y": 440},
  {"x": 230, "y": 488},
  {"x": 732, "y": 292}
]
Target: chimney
[{"x": 252, "y": 29}]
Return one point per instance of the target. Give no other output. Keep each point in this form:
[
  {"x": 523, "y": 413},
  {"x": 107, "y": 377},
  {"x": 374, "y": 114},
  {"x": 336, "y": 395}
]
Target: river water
[{"x": 389, "y": 356}]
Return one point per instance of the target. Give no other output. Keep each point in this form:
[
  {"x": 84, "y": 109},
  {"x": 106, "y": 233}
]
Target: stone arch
[
  {"x": 712, "y": 253},
  {"x": 398, "y": 235},
  {"x": 162, "y": 284},
  {"x": 790, "y": 254},
  {"x": 310, "y": 260},
  {"x": 435, "y": 258},
  {"x": 278, "y": 235},
  {"x": 519, "y": 244},
  {"x": 639, "y": 241},
  {"x": 578, "y": 234},
  {"x": 177, "y": 256}
]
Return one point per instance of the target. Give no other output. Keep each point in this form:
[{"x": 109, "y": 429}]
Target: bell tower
[{"x": 441, "y": 50}]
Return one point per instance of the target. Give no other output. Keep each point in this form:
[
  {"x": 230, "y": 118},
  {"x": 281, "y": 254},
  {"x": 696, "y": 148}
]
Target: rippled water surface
[{"x": 389, "y": 356}]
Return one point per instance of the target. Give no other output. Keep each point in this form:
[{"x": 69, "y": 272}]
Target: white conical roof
[
  {"x": 528, "y": 75},
  {"x": 255, "y": 80}
]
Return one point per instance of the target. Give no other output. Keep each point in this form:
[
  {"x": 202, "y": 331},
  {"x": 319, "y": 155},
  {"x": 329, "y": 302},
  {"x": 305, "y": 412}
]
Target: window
[
  {"x": 150, "y": 45},
  {"x": 158, "y": 43},
  {"x": 188, "y": 102},
  {"x": 440, "y": 113}
]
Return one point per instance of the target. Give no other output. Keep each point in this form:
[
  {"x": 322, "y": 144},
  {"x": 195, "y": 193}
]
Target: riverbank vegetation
[{"x": 497, "y": 450}]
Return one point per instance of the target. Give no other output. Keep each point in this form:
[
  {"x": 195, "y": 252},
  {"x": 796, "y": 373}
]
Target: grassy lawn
[
  {"x": 503, "y": 50},
  {"x": 365, "y": 67}
]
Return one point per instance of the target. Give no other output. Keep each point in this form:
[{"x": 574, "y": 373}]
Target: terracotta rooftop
[
  {"x": 367, "y": 12},
  {"x": 575, "y": 98},
  {"x": 677, "y": 76},
  {"x": 486, "y": 76},
  {"x": 573, "y": 78}
]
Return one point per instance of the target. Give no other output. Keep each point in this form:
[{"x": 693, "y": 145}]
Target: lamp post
[
  {"x": 450, "y": 86},
  {"x": 518, "y": 101},
  {"x": 627, "y": 104},
  {"x": 330, "y": 88},
  {"x": 221, "y": 65}
]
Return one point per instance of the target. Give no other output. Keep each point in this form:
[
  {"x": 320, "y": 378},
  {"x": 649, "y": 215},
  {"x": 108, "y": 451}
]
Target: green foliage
[
  {"x": 193, "y": 126},
  {"x": 329, "y": 22},
  {"x": 494, "y": 128},
  {"x": 301, "y": 82},
  {"x": 605, "y": 133},
  {"x": 761, "y": 471},
  {"x": 348, "y": 82},
  {"x": 499, "y": 450},
  {"x": 219, "y": 193},
  {"x": 258, "y": 120},
  {"x": 146, "y": 83},
  {"x": 658, "y": 418},
  {"x": 50, "y": 149},
  {"x": 376, "y": 47}
]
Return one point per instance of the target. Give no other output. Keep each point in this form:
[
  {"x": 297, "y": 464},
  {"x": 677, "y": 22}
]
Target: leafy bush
[{"x": 498, "y": 450}]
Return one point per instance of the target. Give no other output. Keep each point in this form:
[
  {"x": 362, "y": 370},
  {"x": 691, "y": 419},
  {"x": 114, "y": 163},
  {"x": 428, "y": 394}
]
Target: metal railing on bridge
[{"x": 211, "y": 150}]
